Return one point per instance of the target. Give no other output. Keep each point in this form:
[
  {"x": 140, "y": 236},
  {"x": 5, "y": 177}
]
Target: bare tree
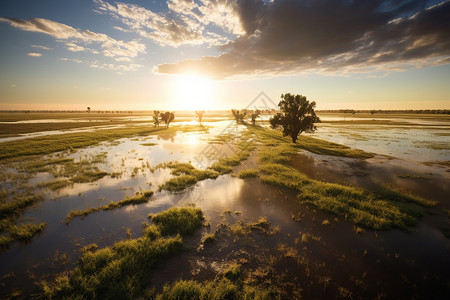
[
  {"x": 239, "y": 115},
  {"x": 156, "y": 116},
  {"x": 255, "y": 114},
  {"x": 199, "y": 114}
]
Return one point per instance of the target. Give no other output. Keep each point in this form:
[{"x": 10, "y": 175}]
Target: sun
[{"x": 193, "y": 92}]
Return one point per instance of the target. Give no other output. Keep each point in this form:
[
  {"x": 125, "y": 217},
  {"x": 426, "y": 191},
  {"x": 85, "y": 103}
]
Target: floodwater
[
  {"x": 336, "y": 260},
  {"x": 420, "y": 141}
]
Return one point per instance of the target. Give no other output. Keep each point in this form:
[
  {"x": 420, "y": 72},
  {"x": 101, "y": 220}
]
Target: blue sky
[{"x": 186, "y": 54}]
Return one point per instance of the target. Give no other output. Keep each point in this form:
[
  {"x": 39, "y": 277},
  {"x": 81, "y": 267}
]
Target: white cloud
[
  {"x": 109, "y": 47},
  {"x": 184, "y": 24},
  {"x": 41, "y": 47},
  {"x": 34, "y": 54},
  {"x": 78, "y": 61}
]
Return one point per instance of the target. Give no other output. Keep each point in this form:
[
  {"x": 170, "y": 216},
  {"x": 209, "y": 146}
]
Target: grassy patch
[
  {"x": 123, "y": 270},
  {"x": 209, "y": 238},
  {"x": 5, "y": 240},
  {"x": 218, "y": 289},
  {"x": 184, "y": 220},
  {"x": 380, "y": 209},
  {"x": 412, "y": 176},
  {"x": 149, "y": 144},
  {"x": 186, "y": 176},
  {"x": 61, "y": 142},
  {"x": 19, "y": 203},
  {"x": 137, "y": 199},
  {"x": 88, "y": 176},
  {"x": 25, "y": 232},
  {"x": 55, "y": 185},
  {"x": 248, "y": 173},
  {"x": 244, "y": 229}
]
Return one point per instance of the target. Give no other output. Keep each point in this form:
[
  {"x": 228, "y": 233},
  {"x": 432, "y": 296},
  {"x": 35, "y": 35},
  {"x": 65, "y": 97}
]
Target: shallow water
[
  {"x": 421, "y": 141},
  {"x": 246, "y": 200}
]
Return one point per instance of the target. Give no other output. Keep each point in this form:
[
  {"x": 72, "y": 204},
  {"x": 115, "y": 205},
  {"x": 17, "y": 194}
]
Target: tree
[
  {"x": 156, "y": 116},
  {"x": 167, "y": 117},
  {"x": 239, "y": 115},
  {"x": 199, "y": 114},
  {"x": 255, "y": 115},
  {"x": 88, "y": 109},
  {"x": 297, "y": 116}
]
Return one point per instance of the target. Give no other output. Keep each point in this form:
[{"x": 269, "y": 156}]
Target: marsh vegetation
[{"x": 222, "y": 209}]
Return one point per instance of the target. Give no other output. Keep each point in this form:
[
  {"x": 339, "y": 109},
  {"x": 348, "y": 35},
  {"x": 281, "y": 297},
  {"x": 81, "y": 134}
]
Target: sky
[{"x": 221, "y": 54}]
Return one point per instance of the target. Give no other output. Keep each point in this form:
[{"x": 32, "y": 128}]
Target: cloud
[
  {"x": 41, "y": 47},
  {"x": 78, "y": 61},
  {"x": 328, "y": 36},
  {"x": 185, "y": 23},
  {"x": 110, "y": 47},
  {"x": 34, "y": 54}
]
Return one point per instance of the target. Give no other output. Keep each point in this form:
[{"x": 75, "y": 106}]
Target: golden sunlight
[{"x": 192, "y": 92}]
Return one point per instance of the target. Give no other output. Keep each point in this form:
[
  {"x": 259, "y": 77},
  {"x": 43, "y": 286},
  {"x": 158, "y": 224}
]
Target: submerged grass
[
  {"x": 55, "y": 185},
  {"x": 19, "y": 203},
  {"x": 137, "y": 199},
  {"x": 22, "y": 232},
  {"x": 380, "y": 209},
  {"x": 61, "y": 142},
  {"x": 25, "y": 232},
  {"x": 123, "y": 270}
]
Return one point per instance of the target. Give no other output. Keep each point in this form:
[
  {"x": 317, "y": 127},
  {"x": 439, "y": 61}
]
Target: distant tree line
[{"x": 390, "y": 111}]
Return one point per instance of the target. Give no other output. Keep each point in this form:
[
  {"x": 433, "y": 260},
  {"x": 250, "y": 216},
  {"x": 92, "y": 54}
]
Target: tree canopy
[{"x": 297, "y": 116}]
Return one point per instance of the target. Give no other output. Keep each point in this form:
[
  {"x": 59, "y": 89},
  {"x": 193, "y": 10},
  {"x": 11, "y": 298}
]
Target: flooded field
[{"x": 270, "y": 208}]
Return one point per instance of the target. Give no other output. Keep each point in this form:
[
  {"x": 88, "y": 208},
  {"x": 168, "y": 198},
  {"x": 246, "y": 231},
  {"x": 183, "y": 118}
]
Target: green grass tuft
[
  {"x": 184, "y": 220},
  {"x": 123, "y": 270},
  {"x": 25, "y": 232},
  {"x": 56, "y": 184},
  {"x": 381, "y": 209},
  {"x": 247, "y": 173},
  {"x": 186, "y": 176}
]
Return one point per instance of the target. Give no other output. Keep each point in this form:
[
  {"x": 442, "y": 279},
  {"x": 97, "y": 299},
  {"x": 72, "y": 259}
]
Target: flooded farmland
[{"x": 274, "y": 231}]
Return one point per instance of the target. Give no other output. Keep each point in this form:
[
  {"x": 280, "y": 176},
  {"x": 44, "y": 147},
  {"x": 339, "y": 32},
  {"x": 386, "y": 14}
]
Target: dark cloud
[{"x": 329, "y": 36}]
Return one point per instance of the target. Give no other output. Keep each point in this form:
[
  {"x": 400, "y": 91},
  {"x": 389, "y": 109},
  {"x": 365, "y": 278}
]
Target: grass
[
  {"x": 55, "y": 185},
  {"x": 244, "y": 229},
  {"x": 22, "y": 232},
  {"x": 139, "y": 198},
  {"x": 247, "y": 173},
  {"x": 244, "y": 147},
  {"x": 186, "y": 176},
  {"x": 209, "y": 238},
  {"x": 54, "y": 143},
  {"x": 381, "y": 209},
  {"x": 228, "y": 285},
  {"x": 88, "y": 176},
  {"x": 318, "y": 146},
  {"x": 122, "y": 271},
  {"x": 209, "y": 290},
  {"x": 176, "y": 220},
  {"x": 25, "y": 232},
  {"x": 149, "y": 144},
  {"x": 19, "y": 203}
]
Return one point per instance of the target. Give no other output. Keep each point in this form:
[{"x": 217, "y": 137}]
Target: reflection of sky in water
[
  {"x": 129, "y": 158},
  {"x": 414, "y": 144}
]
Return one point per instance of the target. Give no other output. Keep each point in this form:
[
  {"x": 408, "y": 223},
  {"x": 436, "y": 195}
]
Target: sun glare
[{"x": 193, "y": 93}]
